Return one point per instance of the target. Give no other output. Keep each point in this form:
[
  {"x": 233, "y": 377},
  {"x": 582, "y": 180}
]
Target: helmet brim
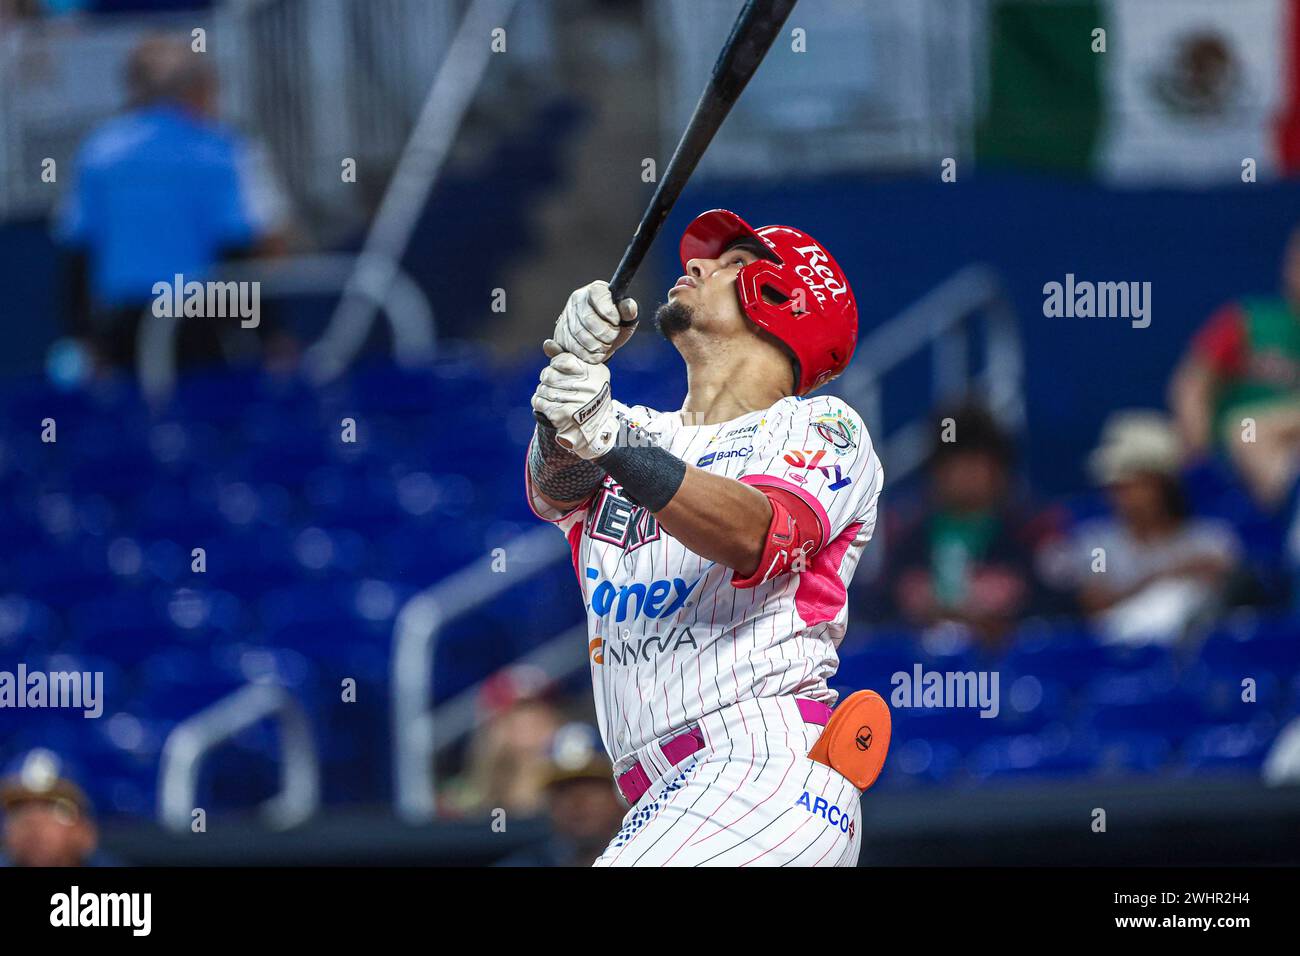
[{"x": 713, "y": 232}]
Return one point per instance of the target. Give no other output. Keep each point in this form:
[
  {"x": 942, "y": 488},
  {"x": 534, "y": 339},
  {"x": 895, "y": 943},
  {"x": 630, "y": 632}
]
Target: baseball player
[{"x": 713, "y": 546}]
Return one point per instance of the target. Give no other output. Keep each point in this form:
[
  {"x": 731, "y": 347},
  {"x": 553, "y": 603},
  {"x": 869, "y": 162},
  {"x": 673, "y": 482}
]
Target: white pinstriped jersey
[{"x": 671, "y": 639}]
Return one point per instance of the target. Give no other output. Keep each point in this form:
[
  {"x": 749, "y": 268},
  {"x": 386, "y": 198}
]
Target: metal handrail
[
  {"x": 559, "y": 657},
  {"x": 419, "y": 624},
  {"x": 418, "y": 168},
  {"x": 939, "y": 319},
  {"x": 194, "y": 738},
  {"x": 404, "y": 304}
]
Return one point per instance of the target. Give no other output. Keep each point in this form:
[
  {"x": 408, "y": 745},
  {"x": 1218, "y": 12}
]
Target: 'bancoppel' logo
[
  {"x": 69, "y": 690},
  {"x": 713, "y": 457},
  {"x": 130, "y": 910},
  {"x": 925, "y": 689},
  {"x": 1098, "y": 300},
  {"x": 209, "y": 300}
]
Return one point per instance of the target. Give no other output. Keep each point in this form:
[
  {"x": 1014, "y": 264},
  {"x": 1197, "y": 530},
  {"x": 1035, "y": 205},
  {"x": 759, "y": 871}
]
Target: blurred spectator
[
  {"x": 1245, "y": 364},
  {"x": 1282, "y": 763},
  {"x": 509, "y": 760},
  {"x": 1147, "y": 573},
  {"x": 969, "y": 558},
  {"x": 14, "y": 11},
  {"x": 160, "y": 191},
  {"x": 583, "y": 809},
  {"x": 47, "y": 816}
]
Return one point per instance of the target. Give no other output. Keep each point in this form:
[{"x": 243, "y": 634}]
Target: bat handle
[
  {"x": 622, "y": 279},
  {"x": 618, "y": 289}
]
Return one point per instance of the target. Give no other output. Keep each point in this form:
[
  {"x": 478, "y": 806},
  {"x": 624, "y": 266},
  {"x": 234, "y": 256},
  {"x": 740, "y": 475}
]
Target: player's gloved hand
[
  {"x": 574, "y": 397},
  {"x": 590, "y": 327}
]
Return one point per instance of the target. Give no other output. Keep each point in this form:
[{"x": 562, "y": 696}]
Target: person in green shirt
[
  {"x": 1237, "y": 390},
  {"x": 968, "y": 559}
]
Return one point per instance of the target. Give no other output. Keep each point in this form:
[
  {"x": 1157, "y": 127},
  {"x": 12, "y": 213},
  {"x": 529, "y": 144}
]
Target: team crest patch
[{"x": 838, "y": 429}]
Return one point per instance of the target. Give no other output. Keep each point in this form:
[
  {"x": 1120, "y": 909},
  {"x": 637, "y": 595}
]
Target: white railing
[
  {"x": 558, "y": 657},
  {"x": 373, "y": 281},
  {"x": 421, "y": 162},
  {"x": 419, "y": 625},
  {"x": 943, "y": 321},
  {"x": 193, "y": 739}
]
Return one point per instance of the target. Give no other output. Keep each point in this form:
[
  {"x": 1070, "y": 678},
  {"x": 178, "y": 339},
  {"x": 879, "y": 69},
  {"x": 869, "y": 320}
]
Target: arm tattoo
[{"x": 557, "y": 473}]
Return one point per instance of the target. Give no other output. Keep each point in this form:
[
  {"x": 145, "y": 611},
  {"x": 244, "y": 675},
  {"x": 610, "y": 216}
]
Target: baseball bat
[{"x": 751, "y": 37}]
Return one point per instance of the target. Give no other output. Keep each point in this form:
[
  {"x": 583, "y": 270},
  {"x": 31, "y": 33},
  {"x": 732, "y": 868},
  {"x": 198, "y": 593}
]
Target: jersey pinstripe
[
  {"x": 670, "y": 639},
  {"x": 750, "y": 797}
]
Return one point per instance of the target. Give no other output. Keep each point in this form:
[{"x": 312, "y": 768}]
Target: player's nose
[{"x": 696, "y": 268}]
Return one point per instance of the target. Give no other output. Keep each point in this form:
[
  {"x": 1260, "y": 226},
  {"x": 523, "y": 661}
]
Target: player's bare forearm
[
  {"x": 1191, "y": 395},
  {"x": 719, "y": 518},
  {"x": 562, "y": 478}
]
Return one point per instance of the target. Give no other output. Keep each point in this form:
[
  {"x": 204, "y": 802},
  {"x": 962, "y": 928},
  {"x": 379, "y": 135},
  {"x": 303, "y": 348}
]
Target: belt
[{"x": 634, "y": 782}]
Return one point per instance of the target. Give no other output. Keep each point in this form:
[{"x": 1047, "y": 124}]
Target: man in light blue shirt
[{"x": 160, "y": 190}]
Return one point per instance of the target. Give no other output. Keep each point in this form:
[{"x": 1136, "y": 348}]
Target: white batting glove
[
  {"x": 574, "y": 397},
  {"x": 590, "y": 326}
]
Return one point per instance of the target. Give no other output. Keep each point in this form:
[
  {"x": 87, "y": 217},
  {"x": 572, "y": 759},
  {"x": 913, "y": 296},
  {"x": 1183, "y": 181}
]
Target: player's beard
[{"x": 673, "y": 318}]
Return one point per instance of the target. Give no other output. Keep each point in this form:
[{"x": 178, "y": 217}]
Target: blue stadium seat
[
  {"x": 1067, "y": 656},
  {"x": 312, "y": 545},
  {"x": 1131, "y": 750},
  {"x": 1239, "y": 746}
]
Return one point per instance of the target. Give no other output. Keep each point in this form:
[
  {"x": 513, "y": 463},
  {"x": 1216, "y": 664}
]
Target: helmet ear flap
[{"x": 766, "y": 292}]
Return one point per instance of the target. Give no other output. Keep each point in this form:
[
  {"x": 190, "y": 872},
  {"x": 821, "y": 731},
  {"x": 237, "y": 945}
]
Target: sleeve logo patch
[
  {"x": 837, "y": 429},
  {"x": 812, "y": 460}
]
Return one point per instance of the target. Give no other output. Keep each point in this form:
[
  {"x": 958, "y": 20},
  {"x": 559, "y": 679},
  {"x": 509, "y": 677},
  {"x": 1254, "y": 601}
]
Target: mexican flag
[{"x": 1143, "y": 92}]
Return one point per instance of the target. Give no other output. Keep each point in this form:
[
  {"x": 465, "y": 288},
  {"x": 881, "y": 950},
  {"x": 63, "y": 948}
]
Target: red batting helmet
[{"x": 812, "y": 310}]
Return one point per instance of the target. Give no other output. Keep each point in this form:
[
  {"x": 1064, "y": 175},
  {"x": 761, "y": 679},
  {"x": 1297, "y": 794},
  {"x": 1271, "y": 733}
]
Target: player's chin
[{"x": 673, "y": 317}]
